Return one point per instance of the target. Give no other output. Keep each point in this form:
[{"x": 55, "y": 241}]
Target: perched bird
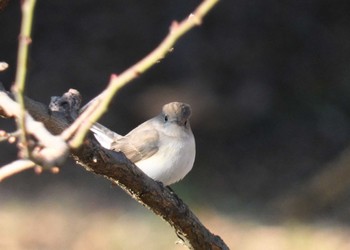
[{"x": 162, "y": 147}]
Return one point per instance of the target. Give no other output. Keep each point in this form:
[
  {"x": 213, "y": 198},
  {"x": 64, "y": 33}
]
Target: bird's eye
[{"x": 166, "y": 118}]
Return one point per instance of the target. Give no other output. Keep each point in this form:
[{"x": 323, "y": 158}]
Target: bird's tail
[{"x": 104, "y": 135}]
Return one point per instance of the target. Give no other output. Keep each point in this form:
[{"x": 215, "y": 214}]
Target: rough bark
[{"x": 118, "y": 169}]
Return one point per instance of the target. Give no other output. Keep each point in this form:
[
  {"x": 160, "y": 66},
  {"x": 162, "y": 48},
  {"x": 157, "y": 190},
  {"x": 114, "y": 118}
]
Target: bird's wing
[{"x": 138, "y": 144}]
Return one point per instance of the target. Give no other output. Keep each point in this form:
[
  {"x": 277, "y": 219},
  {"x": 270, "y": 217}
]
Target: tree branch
[
  {"x": 18, "y": 87},
  {"x": 15, "y": 167},
  {"x": 47, "y": 150},
  {"x": 114, "y": 165},
  {"x": 101, "y": 102},
  {"x": 118, "y": 169}
]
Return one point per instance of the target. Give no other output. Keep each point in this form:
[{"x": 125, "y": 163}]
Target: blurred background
[{"x": 268, "y": 82}]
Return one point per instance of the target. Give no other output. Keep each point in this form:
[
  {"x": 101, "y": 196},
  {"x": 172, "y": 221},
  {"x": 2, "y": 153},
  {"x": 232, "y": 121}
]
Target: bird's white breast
[{"x": 173, "y": 160}]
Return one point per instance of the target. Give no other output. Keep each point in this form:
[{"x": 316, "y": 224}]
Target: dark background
[{"x": 268, "y": 82}]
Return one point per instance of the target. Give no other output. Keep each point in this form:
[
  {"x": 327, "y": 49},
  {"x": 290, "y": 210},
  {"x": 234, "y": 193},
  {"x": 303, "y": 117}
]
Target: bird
[{"x": 163, "y": 147}]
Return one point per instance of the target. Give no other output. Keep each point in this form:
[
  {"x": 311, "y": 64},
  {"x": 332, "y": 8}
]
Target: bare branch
[
  {"x": 18, "y": 87},
  {"x": 153, "y": 195},
  {"x": 3, "y": 66},
  {"x": 116, "y": 82},
  {"x": 119, "y": 170},
  {"x": 47, "y": 150},
  {"x": 112, "y": 165},
  {"x": 14, "y": 168}
]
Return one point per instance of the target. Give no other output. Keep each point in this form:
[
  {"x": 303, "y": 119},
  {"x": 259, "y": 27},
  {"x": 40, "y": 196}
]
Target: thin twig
[
  {"x": 49, "y": 150},
  {"x": 116, "y": 82},
  {"x": 15, "y": 167},
  {"x": 3, "y": 66},
  {"x": 10, "y": 137},
  {"x": 18, "y": 87}
]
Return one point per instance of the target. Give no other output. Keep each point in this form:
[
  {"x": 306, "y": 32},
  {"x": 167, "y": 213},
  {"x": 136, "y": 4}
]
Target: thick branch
[{"x": 119, "y": 170}]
